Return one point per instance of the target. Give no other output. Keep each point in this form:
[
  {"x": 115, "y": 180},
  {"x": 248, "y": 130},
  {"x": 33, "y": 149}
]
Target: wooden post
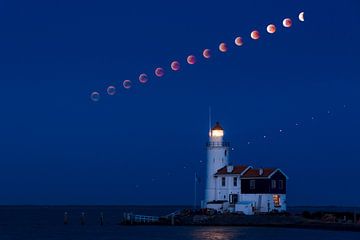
[
  {"x": 101, "y": 218},
  {"x": 82, "y": 218},
  {"x": 172, "y": 219},
  {"x": 66, "y": 218}
]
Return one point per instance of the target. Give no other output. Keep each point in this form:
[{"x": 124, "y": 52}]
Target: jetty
[{"x": 206, "y": 217}]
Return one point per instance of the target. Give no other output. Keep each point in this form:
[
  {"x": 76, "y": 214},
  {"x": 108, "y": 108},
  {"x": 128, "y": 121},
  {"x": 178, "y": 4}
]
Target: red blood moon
[
  {"x": 143, "y": 78},
  {"x": 207, "y": 53},
  {"x": 127, "y": 84},
  {"x": 175, "y": 66},
  {"x": 239, "y": 41},
  {"x": 223, "y": 47},
  {"x": 191, "y": 59},
  {"x": 255, "y": 35},
  {"x": 271, "y": 28},
  {"x": 159, "y": 72},
  {"x": 287, "y": 22}
]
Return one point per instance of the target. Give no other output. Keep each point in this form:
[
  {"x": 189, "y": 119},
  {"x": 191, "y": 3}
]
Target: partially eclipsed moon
[
  {"x": 95, "y": 96},
  {"x": 302, "y": 17},
  {"x": 223, "y": 47},
  {"x": 287, "y": 22},
  {"x": 127, "y": 84},
  {"x": 111, "y": 90},
  {"x": 143, "y": 78},
  {"x": 159, "y": 72},
  {"x": 191, "y": 59},
  {"x": 207, "y": 53},
  {"x": 175, "y": 66},
  {"x": 255, "y": 35},
  {"x": 271, "y": 28},
  {"x": 239, "y": 41}
]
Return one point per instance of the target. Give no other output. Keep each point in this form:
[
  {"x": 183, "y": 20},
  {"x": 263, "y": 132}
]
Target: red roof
[
  {"x": 261, "y": 173},
  {"x": 217, "y": 126},
  {"x": 236, "y": 170}
]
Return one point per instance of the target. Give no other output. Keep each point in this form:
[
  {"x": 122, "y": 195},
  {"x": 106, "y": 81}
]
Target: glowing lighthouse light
[{"x": 217, "y": 131}]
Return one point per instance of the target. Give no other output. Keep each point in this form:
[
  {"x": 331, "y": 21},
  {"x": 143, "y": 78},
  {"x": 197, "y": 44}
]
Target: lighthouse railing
[{"x": 218, "y": 144}]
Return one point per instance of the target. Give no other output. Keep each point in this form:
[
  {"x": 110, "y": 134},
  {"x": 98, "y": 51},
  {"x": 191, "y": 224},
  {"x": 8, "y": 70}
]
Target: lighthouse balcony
[{"x": 218, "y": 144}]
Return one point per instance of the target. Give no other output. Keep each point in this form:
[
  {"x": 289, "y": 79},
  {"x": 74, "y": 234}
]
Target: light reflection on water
[{"x": 217, "y": 233}]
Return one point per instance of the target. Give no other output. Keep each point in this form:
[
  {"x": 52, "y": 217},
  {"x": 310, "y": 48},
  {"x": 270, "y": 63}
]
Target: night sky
[{"x": 143, "y": 145}]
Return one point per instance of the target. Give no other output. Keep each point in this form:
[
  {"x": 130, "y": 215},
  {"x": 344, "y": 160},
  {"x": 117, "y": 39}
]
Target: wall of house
[
  {"x": 263, "y": 185},
  {"x": 229, "y": 187},
  {"x": 264, "y": 202}
]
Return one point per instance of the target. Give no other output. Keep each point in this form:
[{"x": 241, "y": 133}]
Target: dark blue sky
[{"x": 143, "y": 146}]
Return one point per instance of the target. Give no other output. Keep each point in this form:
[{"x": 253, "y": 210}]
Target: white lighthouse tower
[{"x": 217, "y": 157}]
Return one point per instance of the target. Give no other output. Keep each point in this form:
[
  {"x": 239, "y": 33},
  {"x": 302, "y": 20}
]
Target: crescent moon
[
  {"x": 255, "y": 35},
  {"x": 222, "y": 47},
  {"x": 207, "y": 53},
  {"x": 302, "y": 17},
  {"x": 239, "y": 41},
  {"x": 287, "y": 22}
]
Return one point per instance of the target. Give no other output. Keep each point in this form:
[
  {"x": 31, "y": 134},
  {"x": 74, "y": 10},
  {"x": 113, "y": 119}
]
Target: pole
[{"x": 195, "y": 182}]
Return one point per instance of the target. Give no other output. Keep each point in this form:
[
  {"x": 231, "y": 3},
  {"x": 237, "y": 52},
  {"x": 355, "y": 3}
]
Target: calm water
[{"x": 42, "y": 223}]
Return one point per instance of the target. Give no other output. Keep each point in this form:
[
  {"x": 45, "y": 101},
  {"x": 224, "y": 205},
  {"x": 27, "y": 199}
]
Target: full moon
[
  {"x": 255, "y": 35},
  {"x": 191, "y": 59},
  {"x": 287, "y": 22},
  {"x": 143, "y": 78},
  {"x": 127, "y": 84},
  {"x": 239, "y": 41},
  {"x": 301, "y": 16},
  {"x": 223, "y": 47},
  {"x": 207, "y": 53},
  {"x": 271, "y": 28},
  {"x": 175, "y": 66},
  {"x": 159, "y": 72},
  {"x": 111, "y": 90}
]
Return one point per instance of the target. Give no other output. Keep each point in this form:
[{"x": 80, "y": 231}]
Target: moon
[
  {"x": 127, "y": 84},
  {"x": 287, "y": 22},
  {"x": 271, "y": 28},
  {"x": 95, "y": 96},
  {"x": 223, "y": 47},
  {"x": 111, "y": 90},
  {"x": 175, "y": 66},
  {"x": 143, "y": 78},
  {"x": 301, "y": 17},
  {"x": 159, "y": 72},
  {"x": 255, "y": 35},
  {"x": 207, "y": 53},
  {"x": 239, "y": 41},
  {"x": 191, "y": 59}
]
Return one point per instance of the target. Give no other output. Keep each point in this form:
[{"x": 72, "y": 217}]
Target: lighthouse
[{"x": 217, "y": 158}]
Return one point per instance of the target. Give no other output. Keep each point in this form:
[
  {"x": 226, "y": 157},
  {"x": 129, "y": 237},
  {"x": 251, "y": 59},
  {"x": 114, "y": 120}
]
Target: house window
[
  {"x": 273, "y": 184},
  {"x": 252, "y": 184},
  {"x": 281, "y": 184},
  {"x": 276, "y": 199},
  {"x": 223, "y": 181},
  {"x": 235, "y": 181}
]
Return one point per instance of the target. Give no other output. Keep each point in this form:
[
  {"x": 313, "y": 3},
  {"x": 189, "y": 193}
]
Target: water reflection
[{"x": 217, "y": 233}]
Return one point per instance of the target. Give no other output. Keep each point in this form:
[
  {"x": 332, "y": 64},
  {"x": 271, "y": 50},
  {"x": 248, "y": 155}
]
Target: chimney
[
  {"x": 229, "y": 168},
  {"x": 261, "y": 171}
]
